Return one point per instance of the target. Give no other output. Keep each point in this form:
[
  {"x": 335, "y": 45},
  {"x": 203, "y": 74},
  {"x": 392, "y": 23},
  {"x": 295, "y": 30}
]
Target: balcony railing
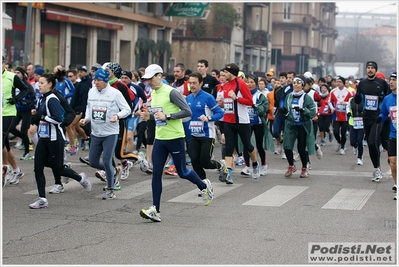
[
  {"x": 294, "y": 18},
  {"x": 256, "y": 37}
]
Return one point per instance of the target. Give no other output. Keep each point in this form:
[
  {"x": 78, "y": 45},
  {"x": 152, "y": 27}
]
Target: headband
[
  {"x": 232, "y": 71},
  {"x": 296, "y": 79}
]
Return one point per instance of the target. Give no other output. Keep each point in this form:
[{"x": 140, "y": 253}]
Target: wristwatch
[
  {"x": 168, "y": 116},
  {"x": 209, "y": 118}
]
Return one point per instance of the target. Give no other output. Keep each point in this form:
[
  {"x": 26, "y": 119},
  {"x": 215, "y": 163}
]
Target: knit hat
[
  {"x": 253, "y": 77},
  {"x": 115, "y": 68},
  {"x": 96, "y": 66},
  {"x": 373, "y": 64},
  {"x": 342, "y": 79},
  {"x": 22, "y": 71},
  {"x": 393, "y": 75},
  {"x": 83, "y": 68},
  {"x": 380, "y": 75},
  {"x": 102, "y": 75},
  {"x": 39, "y": 71},
  {"x": 127, "y": 73}
]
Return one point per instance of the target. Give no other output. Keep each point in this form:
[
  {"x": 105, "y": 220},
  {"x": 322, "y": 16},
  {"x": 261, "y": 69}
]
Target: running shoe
[
  {"x": 394, "y": 187},
  {"x": 18, "y": 145},
  {"x": 322, "y": 143},
  {"x": 200, "y": 193},
  {"x": 67, "y": 179},
  {"x": 68, "y": 148},
  {"x": 151, "y": 214},
  {"x": 188, "y": 163},
  {"x": 359, "y": 161},
  {"x": 117, "y": 174},
  {"x": 297, "y": 157},
  {"x": 342, "y": 151},
  {"x": 26, "y": 157},
  {"x": 16, "y": 177},
  {"x": 304, "y": 173},
  {"x": 30, "y": 147},
  {"x": 85, "y": 182},
  {"x": 40, "y": 203},
  {"x": 330, "y": 137},
  {"x": 171, "y": 171},
  {"x": 5, "y": 169},
  {"x": 223, "y": 171},
  {"x": 101, "y": 175},
  {"x": 319, "y": 153},
  {"x": 207, "y": 193},
  {"x": 74, "y": 150},
  {"x": 109, "y": 194},
  {"x": 149, "y": 169},
  {"x": 245, "y": 171},
  {"x": 8, "y": 174},
  {"x": 263, "y": 170},
  {"x": 169, "y": 163},
  {"x": 290, "y": 171},
  {"x": 117, "y": 186},
  {"x": 85, "y": 160},
  {"x": 130, "y": 164},
  {"x": 284, "y": 156},
  {"x": 144, "y": 165},
  {"x": 395, "y": 197},
  {"x": 82, "y": 143},
  {"x": 255, "y": 172},
  {"x": 377, "y": 175},
  {"x": 338, "y": 147},
  {"x": 125, "y": 170},
  {"x": 240, "y": 161},
  {"x": 229, "y": 178},
  {"x": 57, "y": 188},
  {"x": 354, "y": 150}
]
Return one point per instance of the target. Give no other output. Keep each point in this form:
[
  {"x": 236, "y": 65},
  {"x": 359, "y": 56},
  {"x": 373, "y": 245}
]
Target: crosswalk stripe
[
  {"x": 71, "y": 185},
  {"x": 192, "y": 196},
  {"x": 325, "y": 173},
  {"x": 139, "y": 189},
  {"x": 276, "y": 196},
  {"x": 349, "y": 199}
]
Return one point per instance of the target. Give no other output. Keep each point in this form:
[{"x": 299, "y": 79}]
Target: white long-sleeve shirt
[{"x": 102, "y": 106}]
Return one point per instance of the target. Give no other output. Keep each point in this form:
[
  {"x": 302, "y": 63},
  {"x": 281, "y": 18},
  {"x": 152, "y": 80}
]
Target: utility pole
[{"x": 28, "y": 29}]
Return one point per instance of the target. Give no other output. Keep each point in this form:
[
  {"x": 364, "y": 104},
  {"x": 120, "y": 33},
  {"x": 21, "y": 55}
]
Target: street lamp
[{"x": 357, "y": 26}]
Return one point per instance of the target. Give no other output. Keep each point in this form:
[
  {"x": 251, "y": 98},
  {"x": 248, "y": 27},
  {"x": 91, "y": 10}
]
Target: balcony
[
  {"x": 256, "y": 37},
  {"x": 200, "y": 29},
  {"x": 303, "y": 20}
]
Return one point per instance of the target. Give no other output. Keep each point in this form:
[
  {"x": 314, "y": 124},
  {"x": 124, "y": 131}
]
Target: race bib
[
  {"x": 341, "y": 108},
  {"x": 357, "y": 123},
  {"x": 251, "y": 112},
  {"x": 296, "y": 114},
  {"x": 197, "y": 128},
  {"x": 228, "y": 106},
  {"x": 99, "y": 114},
  {"x": 325, "y": 110},
  {"x": 371, "y": 102},
  {"x": 392, "y": 113},
  {"x": 43, "y": 129},
  {"x": 157, "y": 122}
]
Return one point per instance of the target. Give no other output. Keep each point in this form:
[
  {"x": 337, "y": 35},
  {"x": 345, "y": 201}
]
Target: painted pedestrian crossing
[{"x": 277, "y": 196}]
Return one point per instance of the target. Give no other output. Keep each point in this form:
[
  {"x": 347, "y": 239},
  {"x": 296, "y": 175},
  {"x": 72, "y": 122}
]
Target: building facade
[{"x": 86, "y": 33}]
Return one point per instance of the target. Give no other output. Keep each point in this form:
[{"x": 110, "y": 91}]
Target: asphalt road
[{"x": 265, "y": 222}]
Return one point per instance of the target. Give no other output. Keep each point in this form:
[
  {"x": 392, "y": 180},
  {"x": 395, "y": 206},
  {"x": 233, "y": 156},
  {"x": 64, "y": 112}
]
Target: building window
[
  {"x": 78, "y": 44},
  {"x": 103, "y": 45},
  {"x": 161, "y": 8},
  {"x": 287, "y": 11},
  {"x": 160, "y": 35},
  {"x": 287, "y": 43}
]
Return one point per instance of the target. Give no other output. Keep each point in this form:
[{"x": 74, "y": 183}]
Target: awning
[
  {"x": 81, "y": 19},
  {"x": 7, "y": 22}
]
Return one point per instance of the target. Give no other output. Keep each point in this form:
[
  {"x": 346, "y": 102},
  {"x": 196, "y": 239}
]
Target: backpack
[{"x": 68, "y": 114}]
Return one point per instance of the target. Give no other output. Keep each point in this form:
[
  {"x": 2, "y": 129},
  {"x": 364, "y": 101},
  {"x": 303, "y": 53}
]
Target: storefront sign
[
  {"x": 34, "y": 5},
  {"x": 84, "y": 20},
  {"x": 187, "y": 9}
]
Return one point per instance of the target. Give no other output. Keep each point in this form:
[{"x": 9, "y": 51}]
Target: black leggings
[
  {"x": 372, "y": 132},
  {"x": 200, "y": 152},
  {"x": 301, "y": 146},
  {"x": 259, "y": 134},
  {"x": 340, "y": 128},
  {"x": 8, "y": 121},
  {"x": 25, "y": 116},
  {"x": 356, "y": 138},
  {"x": 324, "y": 123},
  {"x": 230, "y": 132},
  {"x": 141, "y": 127}
]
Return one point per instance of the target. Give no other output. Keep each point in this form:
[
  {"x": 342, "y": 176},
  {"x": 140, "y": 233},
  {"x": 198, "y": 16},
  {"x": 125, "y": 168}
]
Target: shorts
[
  {"x": 392, "y": 147},
  {"x": 132, "y": 123}
]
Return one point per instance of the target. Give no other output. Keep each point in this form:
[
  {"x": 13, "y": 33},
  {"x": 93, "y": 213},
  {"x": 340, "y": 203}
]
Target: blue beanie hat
[
  {"x": 39, "y": 71},
  {"x": 101, "y": 74}
]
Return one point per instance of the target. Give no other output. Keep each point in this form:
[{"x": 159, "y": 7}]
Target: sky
[{"x": 365, "y": 6}]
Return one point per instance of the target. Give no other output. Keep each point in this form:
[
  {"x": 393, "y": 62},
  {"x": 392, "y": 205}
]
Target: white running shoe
[
  {"x": 151, "y": 214},
  {"x": 207, "y": 193},
  {"x": 338, "y": 147},
  {"x": 85, "y": 182},
  {"x": 359, "y": 162},
  {"x": 284, "y": 156},
  {"x": 342, "y": 151},
  {"x": 256, "y": 172},
  {"x": 246, "y": 171},
  {"x": 377, "y": 175},
  {"x": 40, "y": 203},
  {"x": 57, "y": 188},
  {"x": 319, "y": 153},
  {"x": 263, "y": 170}
]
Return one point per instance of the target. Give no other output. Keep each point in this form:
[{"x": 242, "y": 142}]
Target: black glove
[
  {"x": 42, "y": 117},
  {"x": 297, "y": 108},
  {"x": 11, "y": 101},
  {"x": 378, "y": 119},
  {"x": 349, "y": 114}
]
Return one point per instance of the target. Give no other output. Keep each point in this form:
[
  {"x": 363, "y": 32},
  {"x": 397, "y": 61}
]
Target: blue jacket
[{"x": 389, "y": 108}]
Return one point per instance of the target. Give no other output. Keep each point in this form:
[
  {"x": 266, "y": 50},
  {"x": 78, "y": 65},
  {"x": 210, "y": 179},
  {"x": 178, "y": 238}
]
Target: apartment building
[{"x": 85, "y": 33}]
